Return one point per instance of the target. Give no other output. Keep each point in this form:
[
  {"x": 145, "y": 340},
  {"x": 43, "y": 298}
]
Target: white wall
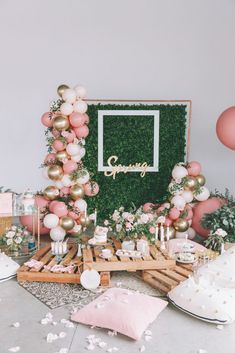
[{"x": 152, "y": 49}]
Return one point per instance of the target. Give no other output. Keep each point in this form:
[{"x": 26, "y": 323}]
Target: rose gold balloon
[
  {"x": 61, "y": 122},
  {"x": 67, "y": 223},
  {"x": 190, "y": 183},
  {"x": 61, "y": 155},
  {"x": 51, "y": 193},
  {"x": 55, "y": 172},
  {"x": 84, "y": 221},
  {"x": 181, "y": 225},
  {"x": 77, "y": 192},
  {"x": 201, "y": 180},
  {"x": 61, "y": 89}
]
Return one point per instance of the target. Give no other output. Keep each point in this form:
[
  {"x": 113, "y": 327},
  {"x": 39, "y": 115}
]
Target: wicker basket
[{"x": 5, "y": 222}]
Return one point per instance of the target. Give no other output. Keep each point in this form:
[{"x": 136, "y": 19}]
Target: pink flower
[
  {"x": 106, "y": 222},
  {"x": 130, "y": 218},
  {"x": 144, "y": 218},
  {"x": 128, "y": 226},
  {"x": 152, "y": 230}
]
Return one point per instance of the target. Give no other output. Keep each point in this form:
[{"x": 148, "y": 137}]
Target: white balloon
[
  {"x": 203, "y": 195},
  {"x": 181, "y": 235},
  {"x": 69, "y": 95},
  {"x": 82, "y": 152},
  {"x": 57, "y": 233},
  {"x": 66, "y": 108},
  {"x": 80, "y": 107},
  {"x": 179, "y": 202},
  {"x": 179, "y": 172},
  {"x": 80, "y": 91},
  {"x": 51, "y": 220},
  {"x": 84, "y": 179},
  {"x": 73, "y": 149},
  {"x": 66, "y": 181},
  {"x": 81, "y": 204},
  {"x": 59, "y": 184},
  {"x": 76, "y": 158},
  {"x": 187, "y": 195},
  {"x": 45, "y": 173},
  {"x": 175, "y": 189},
  {"x": 90, "y": 279},
  {"x": 191, "y": 233}
]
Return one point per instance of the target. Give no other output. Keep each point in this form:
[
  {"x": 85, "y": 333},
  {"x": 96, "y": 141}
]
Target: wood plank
[
  {"x": 173, "y": 275},
  {"x": 158, "y": 285},
  {"x": 48, "y": 277},
  {"x": 69, "y": 256},
  {"x": 45, "y": 259},
  {"x": 182, "y": 271},
  {"x": 132, "y": 265},
  {"x": 36, "y": 256},
  {"x": 166, "y": 281}
]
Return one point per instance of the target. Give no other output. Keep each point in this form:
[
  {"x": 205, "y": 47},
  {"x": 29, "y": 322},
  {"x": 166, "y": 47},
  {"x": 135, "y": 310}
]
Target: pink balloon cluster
[{"x": 62, "y": 204}]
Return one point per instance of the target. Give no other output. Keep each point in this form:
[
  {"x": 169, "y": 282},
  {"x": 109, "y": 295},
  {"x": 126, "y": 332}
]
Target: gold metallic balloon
[
  {"x": 190, "y": 183},
  {"x": 61, "y": 155},
  {"x": 51, "y": 193},
  {"x": 201, "y": 180},
  {"x": 67, "y": 223},
  {"x": 84, "y": 221},
  {"x": 61, "y": 122},
  {"x": 61, "y": 89},
  {"x": 55, "y": 172},
  {"x": 77, "y": 192},
  {"x": 181, "y": 225},
  {"x": 171, "y": 232}
]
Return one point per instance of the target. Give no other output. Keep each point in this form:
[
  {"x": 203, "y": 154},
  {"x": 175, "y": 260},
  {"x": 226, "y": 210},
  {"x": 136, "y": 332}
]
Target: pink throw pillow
[{"x": 121, "y": 310}]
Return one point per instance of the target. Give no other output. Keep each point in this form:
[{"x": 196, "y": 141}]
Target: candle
[
  {"x": 95, "y": 220},
  {"x": 161, "y": 233},
  {"x": 167, "y": 233},
  {"x": 64, "y": 247},
  {"x": 156, "y": 232},
  {"x": 60, "y": 248},
  {"x": 56, "y": 250},
  {"x": 52, "y": 247}
]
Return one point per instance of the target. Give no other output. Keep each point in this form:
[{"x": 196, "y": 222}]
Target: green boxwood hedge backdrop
[{"x": 131, "y": 139}]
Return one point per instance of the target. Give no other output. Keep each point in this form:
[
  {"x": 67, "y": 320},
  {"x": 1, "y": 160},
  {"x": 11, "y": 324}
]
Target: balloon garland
[
  {"x": 185, "y": 190},
  {"x": 67, "y": 129}
]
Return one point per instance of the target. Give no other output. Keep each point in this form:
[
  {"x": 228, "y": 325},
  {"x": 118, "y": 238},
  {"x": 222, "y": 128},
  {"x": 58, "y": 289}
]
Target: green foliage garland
[{"x": 130, "y": 187}]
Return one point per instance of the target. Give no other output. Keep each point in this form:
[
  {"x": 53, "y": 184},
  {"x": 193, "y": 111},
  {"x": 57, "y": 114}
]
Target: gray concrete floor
[{"x": 173, "y": 331}]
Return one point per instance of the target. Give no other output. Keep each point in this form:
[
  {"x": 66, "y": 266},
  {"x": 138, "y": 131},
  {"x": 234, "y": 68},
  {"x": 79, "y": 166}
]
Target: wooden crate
[
  {"x": 43, "y": 275},
  {"x": 156, "y": 260},
  {"x": 165, "y": 280}
]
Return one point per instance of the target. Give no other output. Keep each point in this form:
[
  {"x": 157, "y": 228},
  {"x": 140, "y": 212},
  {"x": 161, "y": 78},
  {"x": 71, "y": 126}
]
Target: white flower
[
  {"x": 144, "y": 218},
  {"x": 18, "y": 240},
  {"x": 10, "y": 234},
  {"x": 116, "y": 216},
  {"x": 221, "y": 232},
  {"x": 130, "y": 218},
  {"x": 13, "y": 227},
  {"x": 9, "y": 241},
  {"x": 161, "y": 219},
  {"x": 106, "y": 222},
  {"x": 125, "y": 215},
  {"x": 92, "y": 216},
  {"x": 118, "y": 227},
  {"x": 16, "y": 324},
  {"x": 51, "y": 337},
  {"x": 121, "y": 209}
]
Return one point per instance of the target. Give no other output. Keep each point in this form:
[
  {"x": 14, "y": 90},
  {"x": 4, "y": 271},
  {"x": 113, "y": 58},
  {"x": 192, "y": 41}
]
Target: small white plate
[
  {"x": 106, "y": 257},
  {"x": 185, "y": 261}
]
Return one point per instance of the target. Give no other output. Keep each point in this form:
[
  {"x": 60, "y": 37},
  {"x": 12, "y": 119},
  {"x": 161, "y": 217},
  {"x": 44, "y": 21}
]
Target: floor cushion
[
  {"x": 8, "y": 267},
  {"x": 121, "y": 310}
]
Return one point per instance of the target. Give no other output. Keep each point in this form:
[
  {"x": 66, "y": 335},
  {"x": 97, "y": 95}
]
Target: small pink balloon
[
  {"x": 60, "y": 209},
  {"x": 91, "y": 188},
  {"x": 70, "y": 136},
  {"x": 81, "y": 132},
  {"x": 55, "y": 133},
  {"x": 69, "y": 167},
  {"x": 52, "y": 204},
  {"x": 77, "y": 119},
  {"x": 225, "y": 128},
  {"x": 64, "y": 191},
  {"x": 194, "y": 168},
  {"x": 147, "y": 207},
  {"x": 27, "y": 221},
  {"x": 174, "y": 213},
  {"x": 168, "y": 222},
  {"x": 47, "y": 119},
  {"x": 50, "y": 158},
  {"x": 87, "y": 119},
  {"x": 58, "y": 145},
  {"x": 73, "y": 215}
]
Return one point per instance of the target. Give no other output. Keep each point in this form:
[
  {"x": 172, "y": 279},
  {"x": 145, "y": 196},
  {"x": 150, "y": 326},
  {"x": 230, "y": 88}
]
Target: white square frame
[{"x": 101, "y": 116}]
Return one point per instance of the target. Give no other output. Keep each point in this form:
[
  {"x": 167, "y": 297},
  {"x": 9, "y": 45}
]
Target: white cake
[
  {"x": 100, "y": 234},
  {"x": 8, "y": 267}
]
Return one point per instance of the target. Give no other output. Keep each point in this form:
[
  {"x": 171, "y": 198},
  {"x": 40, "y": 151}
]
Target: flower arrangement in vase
[
  {"x": 15, "y": 238},
  {"x": 216, "y": 240}
]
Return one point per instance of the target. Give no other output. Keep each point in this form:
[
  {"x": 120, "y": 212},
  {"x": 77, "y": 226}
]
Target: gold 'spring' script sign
[{"x": 115, "y": 169}]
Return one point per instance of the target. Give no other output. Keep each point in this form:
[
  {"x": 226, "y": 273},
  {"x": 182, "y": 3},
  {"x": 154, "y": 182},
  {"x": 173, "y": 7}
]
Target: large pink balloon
[
  {"x": 225, "y": 128},
  {"x": 70, "y": 167},
  {"x": 77, "y": 119},
  {"x": 194, "y": 168},
  {"x": 202, "y": 208},
  {"x": 60, "y": 209},
  {"x": 81, "y": 132}
]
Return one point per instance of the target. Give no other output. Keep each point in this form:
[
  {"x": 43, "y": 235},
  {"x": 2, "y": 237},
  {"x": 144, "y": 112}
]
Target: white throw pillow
[{"x": 8, "y": 267}]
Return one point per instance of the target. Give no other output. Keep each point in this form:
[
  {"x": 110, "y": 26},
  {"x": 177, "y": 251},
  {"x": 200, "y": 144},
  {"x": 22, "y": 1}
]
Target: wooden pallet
[
  {"x": 165, "y": 280},
  {"x": 41, "y": 274},
  {"x": 156, "y": 260}
]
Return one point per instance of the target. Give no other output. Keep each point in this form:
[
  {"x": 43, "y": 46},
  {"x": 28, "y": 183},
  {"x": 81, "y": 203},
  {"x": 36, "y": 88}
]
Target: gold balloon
[
  {"x": 181, "y": 225},
  {"x": 201, "y": 180},
  {"x": 61, "y": 122},
  {"x": 190, "y": 183},
  {"x": 60, "y": 155},
  {"x": 55, "y": 172},
  {"x": 67, "y": 223},
  {"x": 51, "y": 193},
  {"x": 77, "y": 192},
  {"x": 61, "y": 89},
  {"x": 171, "y": 232},
  {"x": 84, "y": 221}
]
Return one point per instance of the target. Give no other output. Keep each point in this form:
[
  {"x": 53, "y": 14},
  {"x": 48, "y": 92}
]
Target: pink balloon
[
  {"x": 160, "y": 209},
  {"x": 174, "y": 213},
  {"x": 55, "y": 133},
  {"x": 73, "y": 215},
  {"x": 41, "y": 202},
  {"x": 60, "y": 209},
  {"x": 50, "y": 158},
  {"x": 70, "y": 167},
  {"x": 225, "y": 128},
  {"x": 77, "y": 119},
  {"x": 27, "y": 221},
  {"x": 47, "y": 119},
  {"x": 70, "y": 136},
  {"x": 168, "y": 222},
  {"x": 194, "y": 168},
  {"x": 188, "y": 210},
  {"x": 87, "y": 119},
  {"x": 91, "y": 189},
  {"x": 52, "y": 204},
  {"x": 147, "y": 207},
  {"x": 202, "y": 208},
  {"x": 64, "y": 191},
  {"x": 81, "y": 132},
  {"x": 58, "y": 145}
]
